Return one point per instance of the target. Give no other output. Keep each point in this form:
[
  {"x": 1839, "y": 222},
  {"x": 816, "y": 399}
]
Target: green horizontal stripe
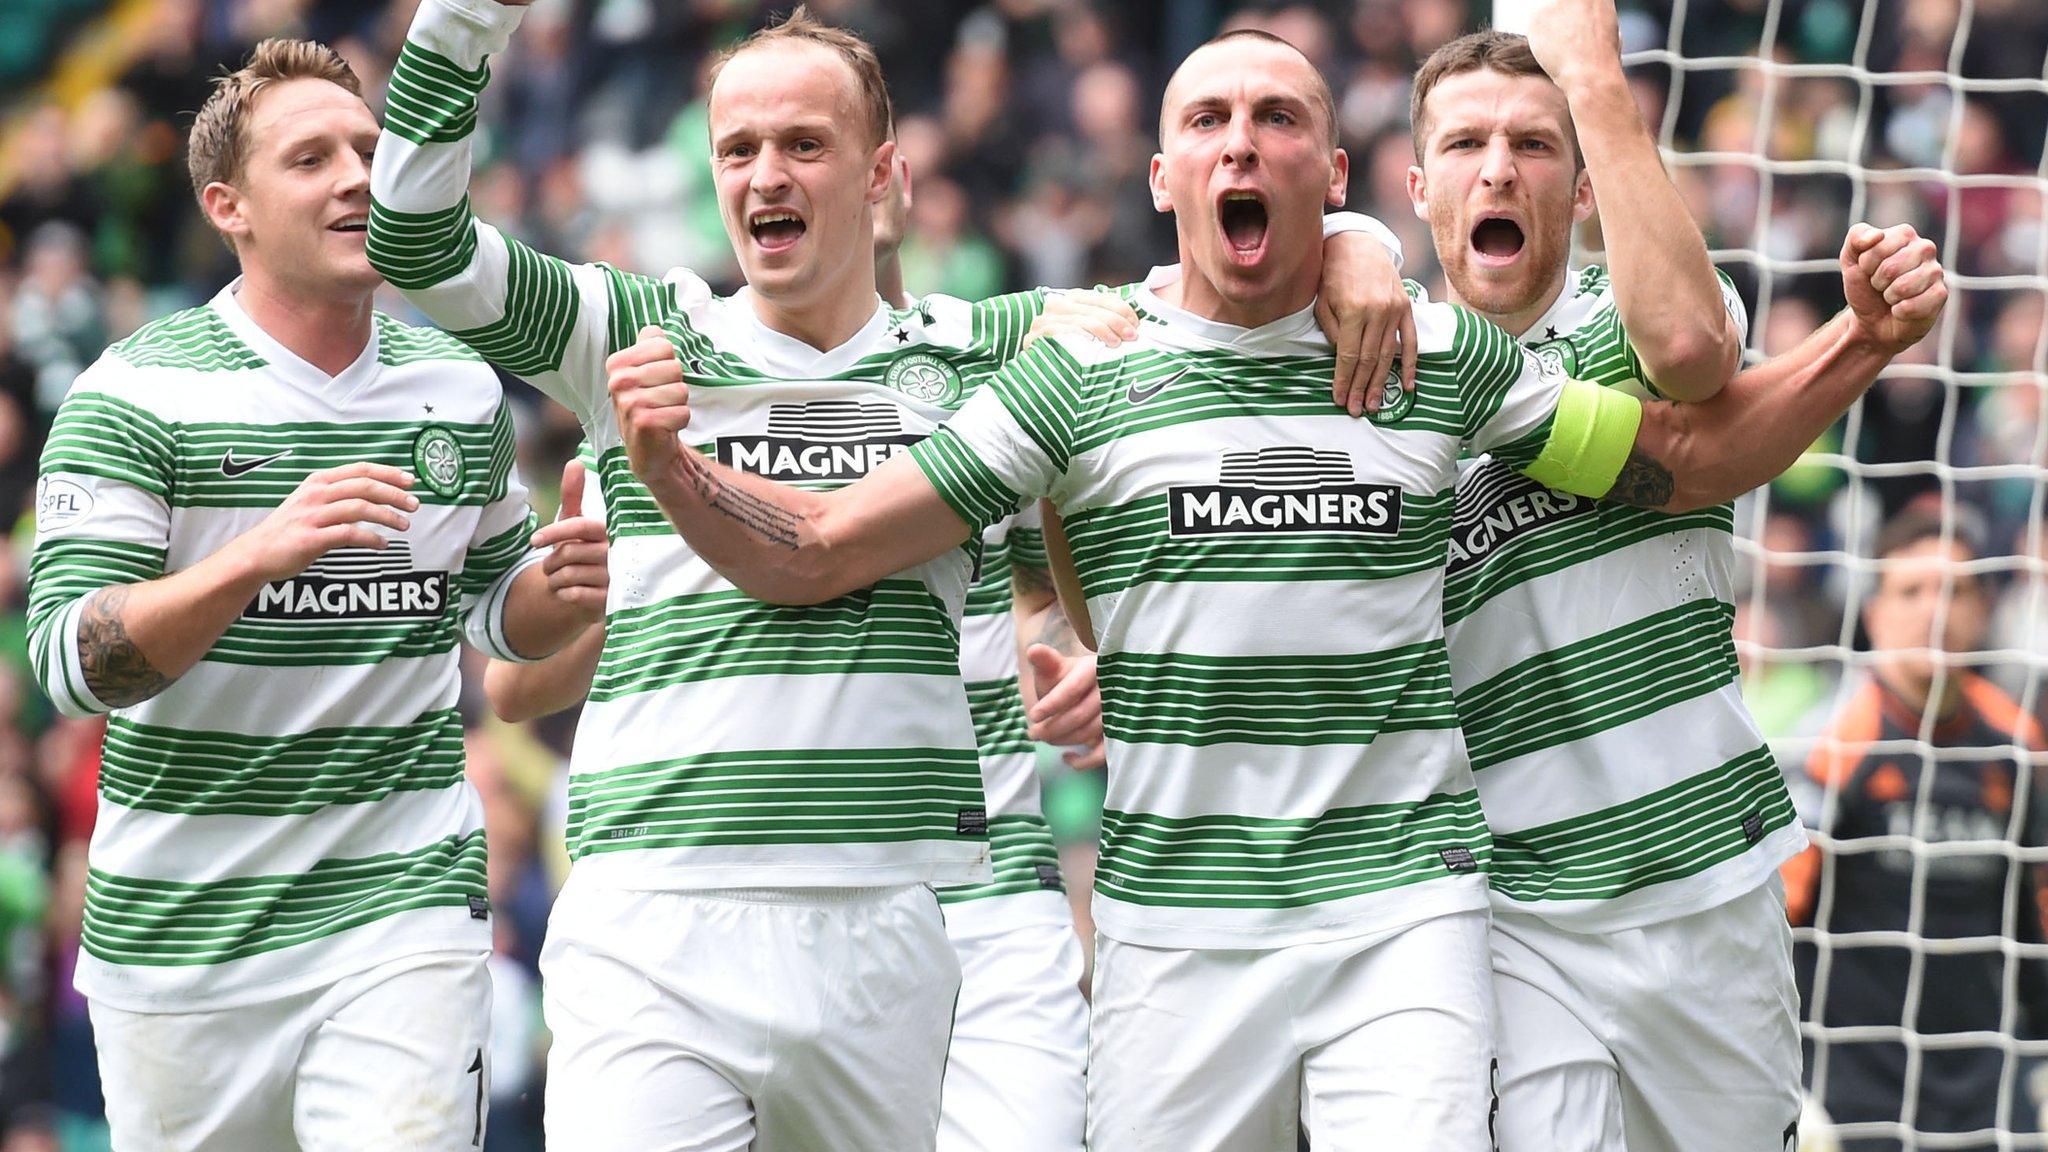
[
  {"x": 431, "y": 99},
  {"x": 163, "y": 923},
  {"x": 1516, "y": 555},
  {"x": 895, "y": 627},
  {"x": 1176, "y": 698},
  {"x": 1677, "y": 831},
  {"x": 98, "y": 435},
  {"x": 1601, "y": 682},
  {"x": 799, "y": 796},
  {"x": 415, "y": 250},
  {"x": 324, "y": 643},
  {"x": 198, "y": 773},
  {"x": 1022, "y": 858},
  {"x": 999, "y": 722},
  {"x": 1223, "y": 861},
  {"x": 973, "y": 491},
  {"x": 196, "y": 339},
  {"x": 63, "y": 568}
]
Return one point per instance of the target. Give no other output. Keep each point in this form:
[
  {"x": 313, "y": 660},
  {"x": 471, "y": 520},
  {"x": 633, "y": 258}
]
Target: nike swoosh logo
[
  {"x": 231, "y": 467},
  {"x": 1137, "y": 395}
]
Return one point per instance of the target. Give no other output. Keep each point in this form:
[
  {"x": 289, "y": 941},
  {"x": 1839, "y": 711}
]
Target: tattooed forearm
[
  {"x": 1055, "y": 631},
  {"x": 1643, "y": 483},
  {"x": 115, "y": 669},
  {"x": 764, "y": 518},
  {"x": 1031, "y": 584}
]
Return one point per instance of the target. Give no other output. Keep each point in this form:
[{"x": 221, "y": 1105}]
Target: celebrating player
[
  {"x": 746, "y": 952},
  {"x": 262, "y": 526},
  {"x": 1290, "y": 892},
  {"x": 1644, "y": 967}
]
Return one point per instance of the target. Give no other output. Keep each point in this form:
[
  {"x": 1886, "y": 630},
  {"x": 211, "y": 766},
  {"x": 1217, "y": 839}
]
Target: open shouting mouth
[
  {"x": 1243, "y": 217},
  {"x": 776, "y": 229},
  {"x": 1497, "y": 241}
]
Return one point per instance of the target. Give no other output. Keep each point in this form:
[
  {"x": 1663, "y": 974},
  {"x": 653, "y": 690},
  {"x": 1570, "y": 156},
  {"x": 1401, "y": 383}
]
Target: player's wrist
[{"x": 1596, "y": 83}]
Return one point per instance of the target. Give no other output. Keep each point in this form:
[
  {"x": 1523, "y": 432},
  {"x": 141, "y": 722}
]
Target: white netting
[{"x": 1784, "y": 121}]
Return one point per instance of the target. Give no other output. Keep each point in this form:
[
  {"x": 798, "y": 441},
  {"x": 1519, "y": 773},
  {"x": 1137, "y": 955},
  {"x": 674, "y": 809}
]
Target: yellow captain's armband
[{"x": 1590, "y": 439}]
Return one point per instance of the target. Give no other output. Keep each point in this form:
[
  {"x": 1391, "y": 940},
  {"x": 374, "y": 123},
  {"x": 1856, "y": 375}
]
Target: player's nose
[
  {"x": 1239, "y": 149},
  {"x": 1497, "y": 168}
]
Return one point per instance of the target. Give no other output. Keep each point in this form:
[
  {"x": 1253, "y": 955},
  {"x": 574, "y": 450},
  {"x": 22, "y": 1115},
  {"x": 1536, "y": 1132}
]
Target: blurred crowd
[{"x": 1029, "y": 125}]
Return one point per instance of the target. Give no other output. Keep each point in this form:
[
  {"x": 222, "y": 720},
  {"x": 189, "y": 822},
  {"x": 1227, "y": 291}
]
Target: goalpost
[{"x": 1997, "y": 285}]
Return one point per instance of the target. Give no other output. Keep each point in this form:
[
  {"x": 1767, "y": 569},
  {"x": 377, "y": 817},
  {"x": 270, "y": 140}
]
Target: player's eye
[
  {"x": 1204, "y": 120},
  {"x": 1279, "y": 116},
  {"x": 806, "y": 147},
  {"x": 737, "y": 151}
]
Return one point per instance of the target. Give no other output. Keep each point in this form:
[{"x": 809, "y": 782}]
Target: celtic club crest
[
  {"x": 923, "y": 376},
  {"x": 437, "y": 460},
  {"x": 1395, "y": 401}
]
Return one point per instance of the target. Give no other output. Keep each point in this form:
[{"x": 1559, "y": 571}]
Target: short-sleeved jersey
[
  {"x": 1265, "y": 575},
  {"x": 293, "y": 808},
  {"x": 726, "y": 742},
  {"x": 1021, "y": 852},
  {"x": 1621, "y": 774}
]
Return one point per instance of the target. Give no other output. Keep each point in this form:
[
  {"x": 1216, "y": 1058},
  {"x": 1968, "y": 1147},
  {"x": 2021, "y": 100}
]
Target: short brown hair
[
  {"x": 1921, "y": 521},
  {"x": 803, "y": 28},
  {"x": 219, "y": 144},
  {"x": 1504, "y": 52},
  {"x": 1319, "y": 95}
]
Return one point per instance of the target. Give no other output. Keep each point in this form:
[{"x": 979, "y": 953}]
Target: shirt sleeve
[
  {"x": 1337, "y": 223},
  {"x": 498, "y": 550},
  {"x": 544, "y": 320},
  {"x": 1563, "y": 433},
  {"x": 1027, "y": 539},
  {"x": 103, "y": 517},
  {"x": 1011, "y": 442}
]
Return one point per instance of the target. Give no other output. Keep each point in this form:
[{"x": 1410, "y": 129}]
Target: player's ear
[
  {"x": 1162, "y": 201},
  {"x": 224, "y": 209},
  {"x": 1340, "y": 179},
  {"x": 1582, "y": 197},
  {"x": 881, "y": 171},
  {"x": 1418, "y": 192}
]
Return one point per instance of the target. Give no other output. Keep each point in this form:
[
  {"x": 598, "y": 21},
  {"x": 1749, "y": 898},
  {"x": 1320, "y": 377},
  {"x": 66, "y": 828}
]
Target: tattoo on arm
[
  {"x": 1028, "y": 583},
  {"x": 1643, "y": 483},
  {"x": 764, "y": 518},
  {"x": 115, "y": 668},
  {"x": 1057, "y": 632}
]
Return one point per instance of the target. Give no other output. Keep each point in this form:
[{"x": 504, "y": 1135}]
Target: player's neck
[
  {"x": 1195, "y": 292},
  {"x": 327, "y": 330},
  {"x": 1518, "y": 322},
  {"x": 889, "y": 279},
  {"x": 829, "y": 322}
]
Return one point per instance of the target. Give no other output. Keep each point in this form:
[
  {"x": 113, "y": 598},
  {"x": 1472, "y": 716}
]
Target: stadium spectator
[{"x": 1926, "y": 751}]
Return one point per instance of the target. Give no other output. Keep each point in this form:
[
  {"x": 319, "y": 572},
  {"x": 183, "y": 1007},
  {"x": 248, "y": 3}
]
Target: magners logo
[
  {"x": 1284, "y": 489},
  {"x": 356, "y": 584},
  {"x": 828, "y": 440}
]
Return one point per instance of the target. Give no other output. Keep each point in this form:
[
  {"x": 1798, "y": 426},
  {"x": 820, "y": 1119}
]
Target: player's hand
[
  {"x": 332, "y": 508},
  {"x": 1363, "y": 309},
  {"x": 1576, "y": 40},
  {"x": 576, "y": 568},
  {"x": 651, "y": 400},
  {"x": 1069, "y": 707},
  {"x": 1894, "y": 285},
  {"x": 1103, "y": 315}
]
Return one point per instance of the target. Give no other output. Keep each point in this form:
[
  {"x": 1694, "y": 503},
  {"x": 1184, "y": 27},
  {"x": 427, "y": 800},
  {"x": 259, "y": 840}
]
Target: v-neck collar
[
  {"x": 290, "y": 364},
  {"x": 784, "y": 356},
  {"x": 1285, "y": 334}
]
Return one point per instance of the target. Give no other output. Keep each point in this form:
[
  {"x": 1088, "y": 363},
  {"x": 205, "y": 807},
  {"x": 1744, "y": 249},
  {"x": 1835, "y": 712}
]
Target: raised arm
[
  {"x": 547, "y": 321},
  {"x": 776, "y": 543},
  {"x": 1669, "y": 298},
  {"x": 1690, "y": 456}
]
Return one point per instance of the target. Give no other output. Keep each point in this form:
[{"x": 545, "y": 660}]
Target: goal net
[{"x": 1924, "y": 979}]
